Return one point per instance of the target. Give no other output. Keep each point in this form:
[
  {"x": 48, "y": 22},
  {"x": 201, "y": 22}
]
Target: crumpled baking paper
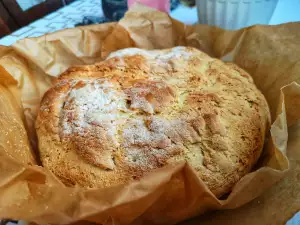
[{"x": 271, "y": 54}]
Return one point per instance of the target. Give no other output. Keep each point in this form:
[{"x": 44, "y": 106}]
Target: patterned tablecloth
[{"x": 65, "y": 17}]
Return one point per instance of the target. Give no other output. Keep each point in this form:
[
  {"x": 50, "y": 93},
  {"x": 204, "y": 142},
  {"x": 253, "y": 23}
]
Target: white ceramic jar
[{"x": 235, "y": 14}]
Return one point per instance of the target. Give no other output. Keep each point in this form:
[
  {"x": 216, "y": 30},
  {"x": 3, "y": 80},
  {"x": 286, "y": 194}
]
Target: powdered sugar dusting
[
  {"x": 131, "y": 52},
  {"x": 140, "y": 102},
  {"x": 148, "y": 143},
  {"x": 157, "y": 55},
  {"x": 127, "y": 117},
  {"x": 144, "y": 147},
  {"x": 175, "y": 53},
  {"x": 137, "y": 134},
  {"x": 96, "y": 103},
  {"x": 150, "y": 96}
]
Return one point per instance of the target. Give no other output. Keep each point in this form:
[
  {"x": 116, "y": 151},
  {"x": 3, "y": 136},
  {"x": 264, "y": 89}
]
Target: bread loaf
[{"x": 109, "y": 123}]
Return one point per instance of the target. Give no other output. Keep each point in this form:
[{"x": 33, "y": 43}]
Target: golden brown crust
[{"x": 109, "y": 123}]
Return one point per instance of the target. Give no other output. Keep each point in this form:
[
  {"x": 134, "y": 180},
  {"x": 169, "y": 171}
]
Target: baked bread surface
[{"x": 111, "y": 122}]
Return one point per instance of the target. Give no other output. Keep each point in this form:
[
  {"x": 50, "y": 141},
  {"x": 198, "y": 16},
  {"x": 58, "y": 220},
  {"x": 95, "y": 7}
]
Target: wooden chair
[{"x": 7, "y": 24}]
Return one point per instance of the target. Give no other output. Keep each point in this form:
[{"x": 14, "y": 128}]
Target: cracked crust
[{"x": 109, "y": 123}]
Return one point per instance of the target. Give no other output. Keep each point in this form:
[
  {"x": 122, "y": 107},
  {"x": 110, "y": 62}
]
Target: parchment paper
[{"x": 271, "y": 54}]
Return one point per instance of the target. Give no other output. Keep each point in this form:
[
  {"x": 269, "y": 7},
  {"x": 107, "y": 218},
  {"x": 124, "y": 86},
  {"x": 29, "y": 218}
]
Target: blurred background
[
  {"x": 31, "y": 18},
  {"x": 15, "y": 14}
]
